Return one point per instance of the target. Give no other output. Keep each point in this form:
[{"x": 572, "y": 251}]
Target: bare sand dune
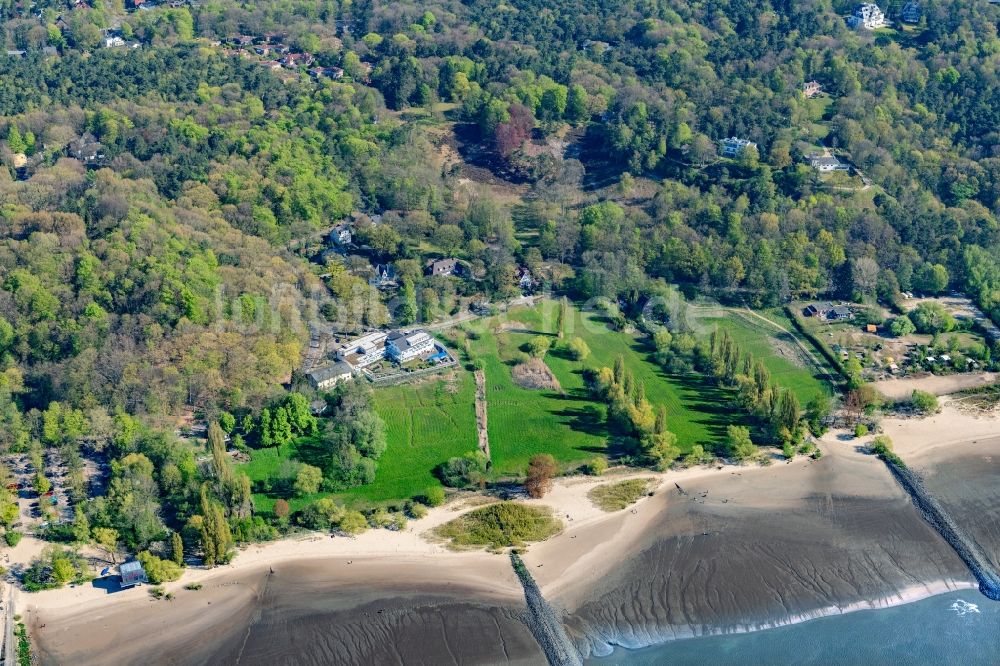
[
  {"x": 953, "y": 431},
  {"x": 747, "y": 551},
  {"x": 310, "y": 612}
]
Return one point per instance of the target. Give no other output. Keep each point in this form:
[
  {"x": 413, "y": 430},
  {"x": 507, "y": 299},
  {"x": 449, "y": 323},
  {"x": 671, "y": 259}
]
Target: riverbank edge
[{"x": 600, "y": 646}]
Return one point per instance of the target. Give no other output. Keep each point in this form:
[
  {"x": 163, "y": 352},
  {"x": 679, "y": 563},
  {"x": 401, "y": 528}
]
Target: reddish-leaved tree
[
  {"x": 541, "y": 470},
  {"x": 281, "y": 508},
  {"x": 511, "y": 135}
]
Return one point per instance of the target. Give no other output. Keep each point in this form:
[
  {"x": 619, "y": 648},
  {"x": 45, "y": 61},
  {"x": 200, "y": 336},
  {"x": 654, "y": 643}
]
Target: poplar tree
[
  {"x": 407, "y": 313},
  {"x": 563, "y": 316},
  {"x": 177, "y": 549},
  {"x": 216, "y": 539}
]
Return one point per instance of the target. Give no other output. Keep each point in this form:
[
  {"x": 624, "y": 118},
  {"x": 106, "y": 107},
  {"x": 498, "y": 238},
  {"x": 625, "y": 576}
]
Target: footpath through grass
[
  {"x": 787, "y": 362},
  {"x": 430, "y": 422},
  {"x": 522, "y": 422}
]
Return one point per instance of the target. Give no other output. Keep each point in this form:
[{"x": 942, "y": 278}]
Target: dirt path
[
  {"x": 484, "y": 438},
  {"x": 9, "y": 645},
  {"x": 808, "y": 353}
]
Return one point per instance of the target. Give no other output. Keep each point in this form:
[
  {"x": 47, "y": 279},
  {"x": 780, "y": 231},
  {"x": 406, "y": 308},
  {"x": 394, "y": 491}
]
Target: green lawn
[
  {"x": 787, "y": 363},
  {"x": 523, "y": 422},
  {"x": 570, "y": 425},
  {"x": 265, "y": 465},
  {"x": 819, "y": 107},
  {"x": 697, "y": 410},
  {"x": 426, "y": 424},
  {"x": 429, "y": 422}
]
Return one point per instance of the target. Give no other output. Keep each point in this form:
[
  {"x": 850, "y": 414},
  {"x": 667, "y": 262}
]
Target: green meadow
[
  {"x": 433, "y": 420},
  {"x": 567, "y": 423},
  {"x": 425, "y": 423},
  {"x": 790, "y": 367}
]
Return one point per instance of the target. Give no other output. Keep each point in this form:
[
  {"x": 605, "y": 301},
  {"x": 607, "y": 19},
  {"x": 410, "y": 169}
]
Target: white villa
[
  {"x": 364, "y": 351},
  {"x": 734, "y": 147},
  {"x": 398, "y": 346},
  {"x": 811, "y": 89},
  {"x": 383, "y": 277},
  {"x": 867, "y": 16},
  {"x": 525, "y": 279},
  {"x": 403, "y": 346},
  {"x": 827, "y": 163},
  {"x": 341, "y": 235}
]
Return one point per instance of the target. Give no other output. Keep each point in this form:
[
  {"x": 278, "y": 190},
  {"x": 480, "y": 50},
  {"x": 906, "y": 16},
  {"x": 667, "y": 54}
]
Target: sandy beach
[
  {"x": 309, "y": 611},
  {"x": 952, "y": 431},
  {"x": 746, "y": 552},
  {"x": 712, "y": 550}
]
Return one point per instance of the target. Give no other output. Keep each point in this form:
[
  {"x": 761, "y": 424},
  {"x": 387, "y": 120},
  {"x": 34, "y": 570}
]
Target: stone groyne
[
  {"x": 940, "y": 520},
  {"x": 543, "y": 621}
]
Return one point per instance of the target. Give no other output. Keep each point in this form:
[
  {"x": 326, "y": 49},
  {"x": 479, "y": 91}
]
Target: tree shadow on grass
[
  {"x": 619, "y": 447},
  {"x": 530, "y": 331},
  {"x": 561, "y": 352},
  {"x": 573, "y": 395},
  {"x": 588, "y": 419},
  {"x": 312, "y": 451},
  {"x": 646, "y": 350},
  {"x": 713, "y": 404}
]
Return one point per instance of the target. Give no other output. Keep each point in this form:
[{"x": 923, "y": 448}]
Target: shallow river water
[{"x": 954, "y": 628}]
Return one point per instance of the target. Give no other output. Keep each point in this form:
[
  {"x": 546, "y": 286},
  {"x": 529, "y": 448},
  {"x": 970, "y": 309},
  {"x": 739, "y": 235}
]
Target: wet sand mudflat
[
  {"x": 746, "y": 552},
  {"x": 361, "y": 625},
  {"x": 957, "y": 454},
  {"x": 966, "y": 482},
  {"x": 733, "y": 549},
  {"x": 312, "y": 612}
]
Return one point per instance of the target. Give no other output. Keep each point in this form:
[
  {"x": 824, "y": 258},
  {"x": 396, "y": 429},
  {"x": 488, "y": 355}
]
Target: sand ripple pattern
[
  {"x": 967, "y": 548},
  {"x": 817, "y": 541}
]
